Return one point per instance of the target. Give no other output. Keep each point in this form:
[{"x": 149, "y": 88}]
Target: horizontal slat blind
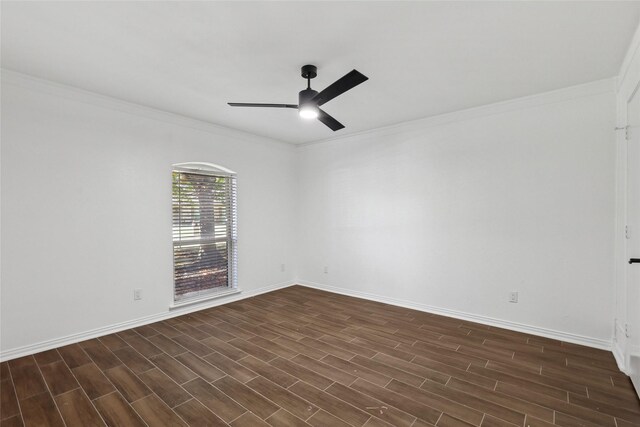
[{"x": 204, "y": 233}]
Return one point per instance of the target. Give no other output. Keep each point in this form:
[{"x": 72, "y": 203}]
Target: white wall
[
  {"x": 86, "y": 209},
  {"x": 452, "y": 213},
  {"x": 446, "y": 214}
]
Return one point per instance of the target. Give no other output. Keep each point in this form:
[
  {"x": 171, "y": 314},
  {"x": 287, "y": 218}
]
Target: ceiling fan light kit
[
  {"x": 307, "y": 108},
  {"x": 309, "y": 100}
]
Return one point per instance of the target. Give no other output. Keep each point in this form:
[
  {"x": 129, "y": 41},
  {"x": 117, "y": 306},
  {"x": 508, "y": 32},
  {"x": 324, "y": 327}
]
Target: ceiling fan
[{"x": 310, "y": 100}]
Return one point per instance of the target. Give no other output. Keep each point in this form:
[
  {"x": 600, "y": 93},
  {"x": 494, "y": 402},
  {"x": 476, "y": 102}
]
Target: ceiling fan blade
[
  {"x": 348, "y": 81},
  {"x": 329, "y": 121},
  {"x": 245, "y": 104}
]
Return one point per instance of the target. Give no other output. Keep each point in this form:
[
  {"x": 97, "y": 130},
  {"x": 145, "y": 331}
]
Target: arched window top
[{"x": 204, "y": 168}]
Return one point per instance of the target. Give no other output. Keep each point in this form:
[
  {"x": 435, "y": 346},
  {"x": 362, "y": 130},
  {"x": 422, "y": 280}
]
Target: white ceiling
[{"x": 422, "y": 58}]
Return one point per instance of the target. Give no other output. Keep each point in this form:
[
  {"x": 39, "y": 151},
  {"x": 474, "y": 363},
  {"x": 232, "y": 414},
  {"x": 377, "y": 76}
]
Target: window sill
[{"x": 180, "y": 304}]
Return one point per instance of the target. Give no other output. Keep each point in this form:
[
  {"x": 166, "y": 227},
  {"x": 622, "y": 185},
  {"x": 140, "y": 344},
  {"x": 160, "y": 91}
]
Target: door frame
[
  {"x": 629, "y": 290},
  {"x": 627, "y": 85},
  {"x": 627, "y": 89}
]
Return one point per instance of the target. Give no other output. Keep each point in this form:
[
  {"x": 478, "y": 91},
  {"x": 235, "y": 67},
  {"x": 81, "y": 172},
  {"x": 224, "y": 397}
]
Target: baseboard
[
  {"x": 98, "y": 332},
  {"x": 618, "y": 354},
  {"x": 514, "y": 326},
  {"x": 618, "y": 346}
]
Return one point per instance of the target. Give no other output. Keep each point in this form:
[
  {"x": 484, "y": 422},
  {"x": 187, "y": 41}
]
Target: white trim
[
  {"x": 177, "y": 304},
  {"x": 519, "y": 327},
  {"x": 618, "y": 344},
  {"x": 98, "y": 332},
  {"x": 80, "y": 95},
  {"x": 627, "y": 84},
  {"x": 628, "y": 58},
  {"x": 506, "y": 324},
  {"x": 618, "y": 354},
  {"x": 75, "y": 94},
  {"x": 552, "y": 97},
  {"x": 202, "y": 167}
]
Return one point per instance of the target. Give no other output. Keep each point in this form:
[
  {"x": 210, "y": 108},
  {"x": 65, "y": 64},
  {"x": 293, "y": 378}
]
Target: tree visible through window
[{"x": 204, "y": 232}]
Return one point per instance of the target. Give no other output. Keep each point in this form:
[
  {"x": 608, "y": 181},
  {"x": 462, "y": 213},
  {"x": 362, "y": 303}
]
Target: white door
[{"x": 633, "y": 237}]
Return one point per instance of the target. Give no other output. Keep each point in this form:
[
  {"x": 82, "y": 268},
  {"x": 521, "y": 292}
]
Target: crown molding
[
  {"x": 629, "y": 57},
  {"x": 546, "y": 98},
  {"x": 80, "y": 95},
  {"x": 69, "y": 92}
]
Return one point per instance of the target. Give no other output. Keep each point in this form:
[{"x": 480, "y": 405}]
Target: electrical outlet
[
  {"x": 137, "y": 294},
  {"x": 627, "y": 331},
  {"x": 326, "y": 269},
  {"x": 282, "y": 267},
  {"x": 513, "y": 297}
]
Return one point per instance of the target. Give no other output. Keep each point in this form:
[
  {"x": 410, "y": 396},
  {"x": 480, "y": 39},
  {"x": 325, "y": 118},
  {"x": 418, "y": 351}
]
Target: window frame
[{"x": 210, "y": 169}]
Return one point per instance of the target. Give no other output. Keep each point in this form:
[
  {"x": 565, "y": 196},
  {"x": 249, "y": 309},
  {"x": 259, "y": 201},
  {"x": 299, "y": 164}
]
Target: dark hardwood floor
[{"x": 299, "y": 357}]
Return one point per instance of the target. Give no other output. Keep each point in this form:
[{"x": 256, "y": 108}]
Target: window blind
[{"x": 204, "y": 233}]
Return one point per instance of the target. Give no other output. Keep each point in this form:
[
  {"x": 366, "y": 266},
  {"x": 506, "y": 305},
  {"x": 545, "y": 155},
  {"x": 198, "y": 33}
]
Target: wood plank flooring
[{"x": 303, "y": 357}]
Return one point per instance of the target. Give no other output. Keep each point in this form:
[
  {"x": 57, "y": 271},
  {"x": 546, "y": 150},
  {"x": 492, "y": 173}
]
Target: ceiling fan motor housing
[{"x": 305, "y": 97}]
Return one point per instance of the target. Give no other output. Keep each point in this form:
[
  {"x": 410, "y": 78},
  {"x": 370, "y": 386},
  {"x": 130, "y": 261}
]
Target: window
[{"x": 204, "y": 230}]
